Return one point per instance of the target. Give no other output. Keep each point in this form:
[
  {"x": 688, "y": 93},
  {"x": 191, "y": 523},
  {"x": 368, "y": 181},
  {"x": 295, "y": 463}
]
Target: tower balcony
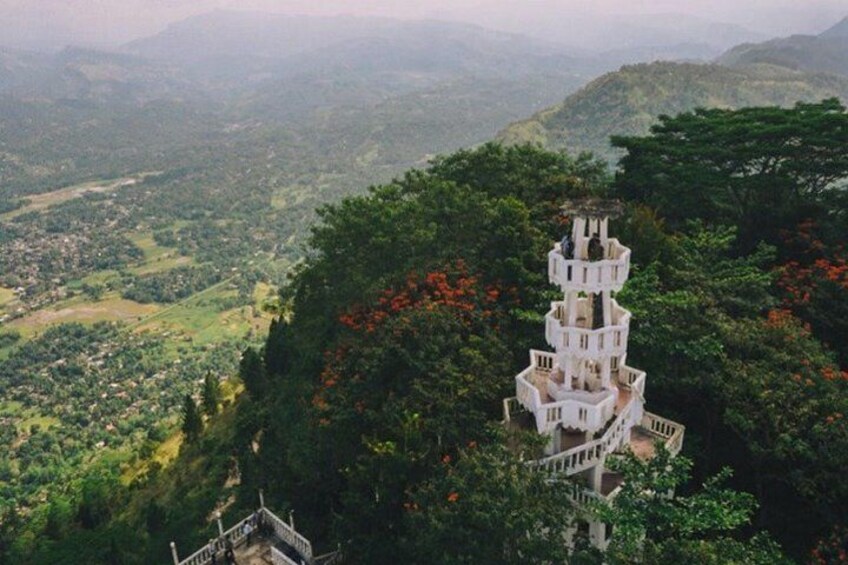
[
  {"x": 540, "y": 391},
  {"x": 641, "y": 438},
  {"x": 580, "y": 274},
  {"x": 625, "y": 425},
  {"x": 580, "y": 340}
]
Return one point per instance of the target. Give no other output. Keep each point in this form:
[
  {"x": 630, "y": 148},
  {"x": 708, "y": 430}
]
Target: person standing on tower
[
  {"x": 596, "y": 250},
  {"x": 567, "y": 247}
]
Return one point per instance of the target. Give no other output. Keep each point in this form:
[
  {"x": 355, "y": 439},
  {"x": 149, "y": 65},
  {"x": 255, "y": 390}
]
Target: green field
[
  {"x": 45, "y": 200},
  {"x": 25, "y": 418},
  {"x": 111, "y": 308},
  {"x": 11, "y": 408},
  {"x": 7, "y": 297},
  {"x": 42, "y": 422},
  {"x": 204, "y": 318},
  {"x": 156, "y": 257}
]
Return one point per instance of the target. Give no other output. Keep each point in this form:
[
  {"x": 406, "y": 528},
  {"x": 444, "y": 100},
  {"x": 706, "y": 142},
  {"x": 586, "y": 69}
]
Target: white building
[{"x": 584, "y": 397}]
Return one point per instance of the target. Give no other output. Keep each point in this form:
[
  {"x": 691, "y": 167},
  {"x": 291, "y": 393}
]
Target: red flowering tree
[
  {"x": 413, "y": 377},
  {"x": 814, "y": 286},
  {"x": 832, "y": 550}
]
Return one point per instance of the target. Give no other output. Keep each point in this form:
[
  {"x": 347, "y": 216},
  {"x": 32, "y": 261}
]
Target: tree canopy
[{"x": 760, "y": 169}]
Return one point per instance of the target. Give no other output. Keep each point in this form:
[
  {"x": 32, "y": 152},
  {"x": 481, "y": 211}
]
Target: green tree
[
  {"x": 761, "y": 169},
  {"x": 702, "y": 526},
  {"x": 60, "y": 515},
  {"x": 252, "y": 373},
  {"x": 757, "y": 392},
  {"x": 487, "y": 506},
  {"x": 97, "y": 497},
  {"x": 276, "y": 356},
  {"x": 211, "y": 395},
  {"x": 192, "y": 422}
]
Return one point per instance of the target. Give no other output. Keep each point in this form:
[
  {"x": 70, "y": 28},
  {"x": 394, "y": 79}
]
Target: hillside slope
[
  {"x": 826, "y": 52},
  {"x": 628, "y": 101}
]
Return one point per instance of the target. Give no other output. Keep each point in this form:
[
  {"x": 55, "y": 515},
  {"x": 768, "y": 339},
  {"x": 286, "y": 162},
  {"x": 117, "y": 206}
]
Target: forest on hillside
[{"x": 373, "y": 408}]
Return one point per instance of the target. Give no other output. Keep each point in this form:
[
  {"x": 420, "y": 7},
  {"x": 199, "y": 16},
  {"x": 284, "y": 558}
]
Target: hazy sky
[{"x": 111, "y": 22}]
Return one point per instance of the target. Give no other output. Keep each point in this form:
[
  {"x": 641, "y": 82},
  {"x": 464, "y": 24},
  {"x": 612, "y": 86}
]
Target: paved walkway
[{"x": 257, "y": 553}]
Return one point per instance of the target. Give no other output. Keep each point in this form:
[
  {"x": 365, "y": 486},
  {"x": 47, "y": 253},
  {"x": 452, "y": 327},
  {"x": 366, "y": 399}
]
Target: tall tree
[
  {"x": 211, "y": 395},
  {"x": 276, "y": 358},
  {"x": 252, "y": 373},
  {"x": 192, "y": 422},
  {"x": 760, "y": 169}
]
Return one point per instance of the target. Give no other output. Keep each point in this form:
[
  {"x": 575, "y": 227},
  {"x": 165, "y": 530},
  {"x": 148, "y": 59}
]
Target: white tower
[{"x": 584, "y": 397}]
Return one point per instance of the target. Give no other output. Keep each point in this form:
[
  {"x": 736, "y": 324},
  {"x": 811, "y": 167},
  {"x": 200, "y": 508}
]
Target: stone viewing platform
[{"x": 261, "y": 538}]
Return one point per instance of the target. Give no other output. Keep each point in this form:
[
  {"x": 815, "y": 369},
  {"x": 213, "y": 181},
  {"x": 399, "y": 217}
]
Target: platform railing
[
  {"x": 581, "y": 342},
  {"x": 236, "y": 536},
  {"x": 589, "y": 454},
  {"x": 285, "y": 532},
  {"x": 633, "y": 380},
  {"x": 280, "y": 558},
  {"x": 668, "y": 430},
  {"x": 609, "y": 273}
]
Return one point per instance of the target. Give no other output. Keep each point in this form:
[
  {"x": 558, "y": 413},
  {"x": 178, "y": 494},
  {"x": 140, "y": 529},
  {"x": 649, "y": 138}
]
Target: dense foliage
[
  {"x": 392, "y": 372},
  {"x": 171, "y": 285},
  {"x": 761, "y": 169},
  {"x": 369, "y": 409}
]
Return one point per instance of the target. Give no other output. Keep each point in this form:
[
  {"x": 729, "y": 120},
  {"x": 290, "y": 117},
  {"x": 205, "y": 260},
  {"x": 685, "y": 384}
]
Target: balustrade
[
  {"x": 668, "y": 430},
  {"x": 633, "y": 380},
  {"x": 583, "y": 410},
  {"x": 586, "y": 342},
  {"x": 589, "y": 454},
  {"x": 590, "y": 276},
  {"x": 236, "y": 537},
  {"x": 280, "y": 558}
]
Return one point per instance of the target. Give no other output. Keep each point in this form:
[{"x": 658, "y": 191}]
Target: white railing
[
  {"x": 512, "y": 407},
  {"x": 286, "y": 533},
  {"x": 236, "y": 536},
  {"x": 526, "y": 392},
  {"x": 543, "y": 361},
  {"x": 588, "y": 455},
  {"x": 559, "y": 391},
  {"x": 582, "y": 342},
  {"x": 609, "y": 273},
  {"x": 583, "y": 410},
  {"x": 582, "y": 496},
  {"x": 201, "y": 557},
  {"x": 280, "y": 558},
  {"x": 671, "y": 432},
  {"x": 633, "y": 380},
  {"x": 574, "y": 413}
]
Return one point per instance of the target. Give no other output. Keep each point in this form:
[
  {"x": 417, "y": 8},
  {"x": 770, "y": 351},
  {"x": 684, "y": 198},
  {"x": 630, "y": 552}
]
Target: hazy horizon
[{"x": 52, "y": 24}]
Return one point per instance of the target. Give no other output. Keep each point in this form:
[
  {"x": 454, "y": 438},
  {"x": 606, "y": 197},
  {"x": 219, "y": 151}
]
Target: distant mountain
[
  {"x": 610, "y": 32},
  {"x": 18, "y": 68},
  {"x": 365, "y": 97},
  {"x": 826, "y": 52},
  {"x": 838, "y": 31},
  {"x": 249, "y": 46},
  {"x": 85, "y": 75},
  {"x": 682, "y": 52},
  {"x": 628, "y": 102}
]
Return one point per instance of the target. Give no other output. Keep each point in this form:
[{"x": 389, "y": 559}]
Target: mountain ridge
[
  {"x": 628, "y": 101},
  {"x": 826, "y": 52}
]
